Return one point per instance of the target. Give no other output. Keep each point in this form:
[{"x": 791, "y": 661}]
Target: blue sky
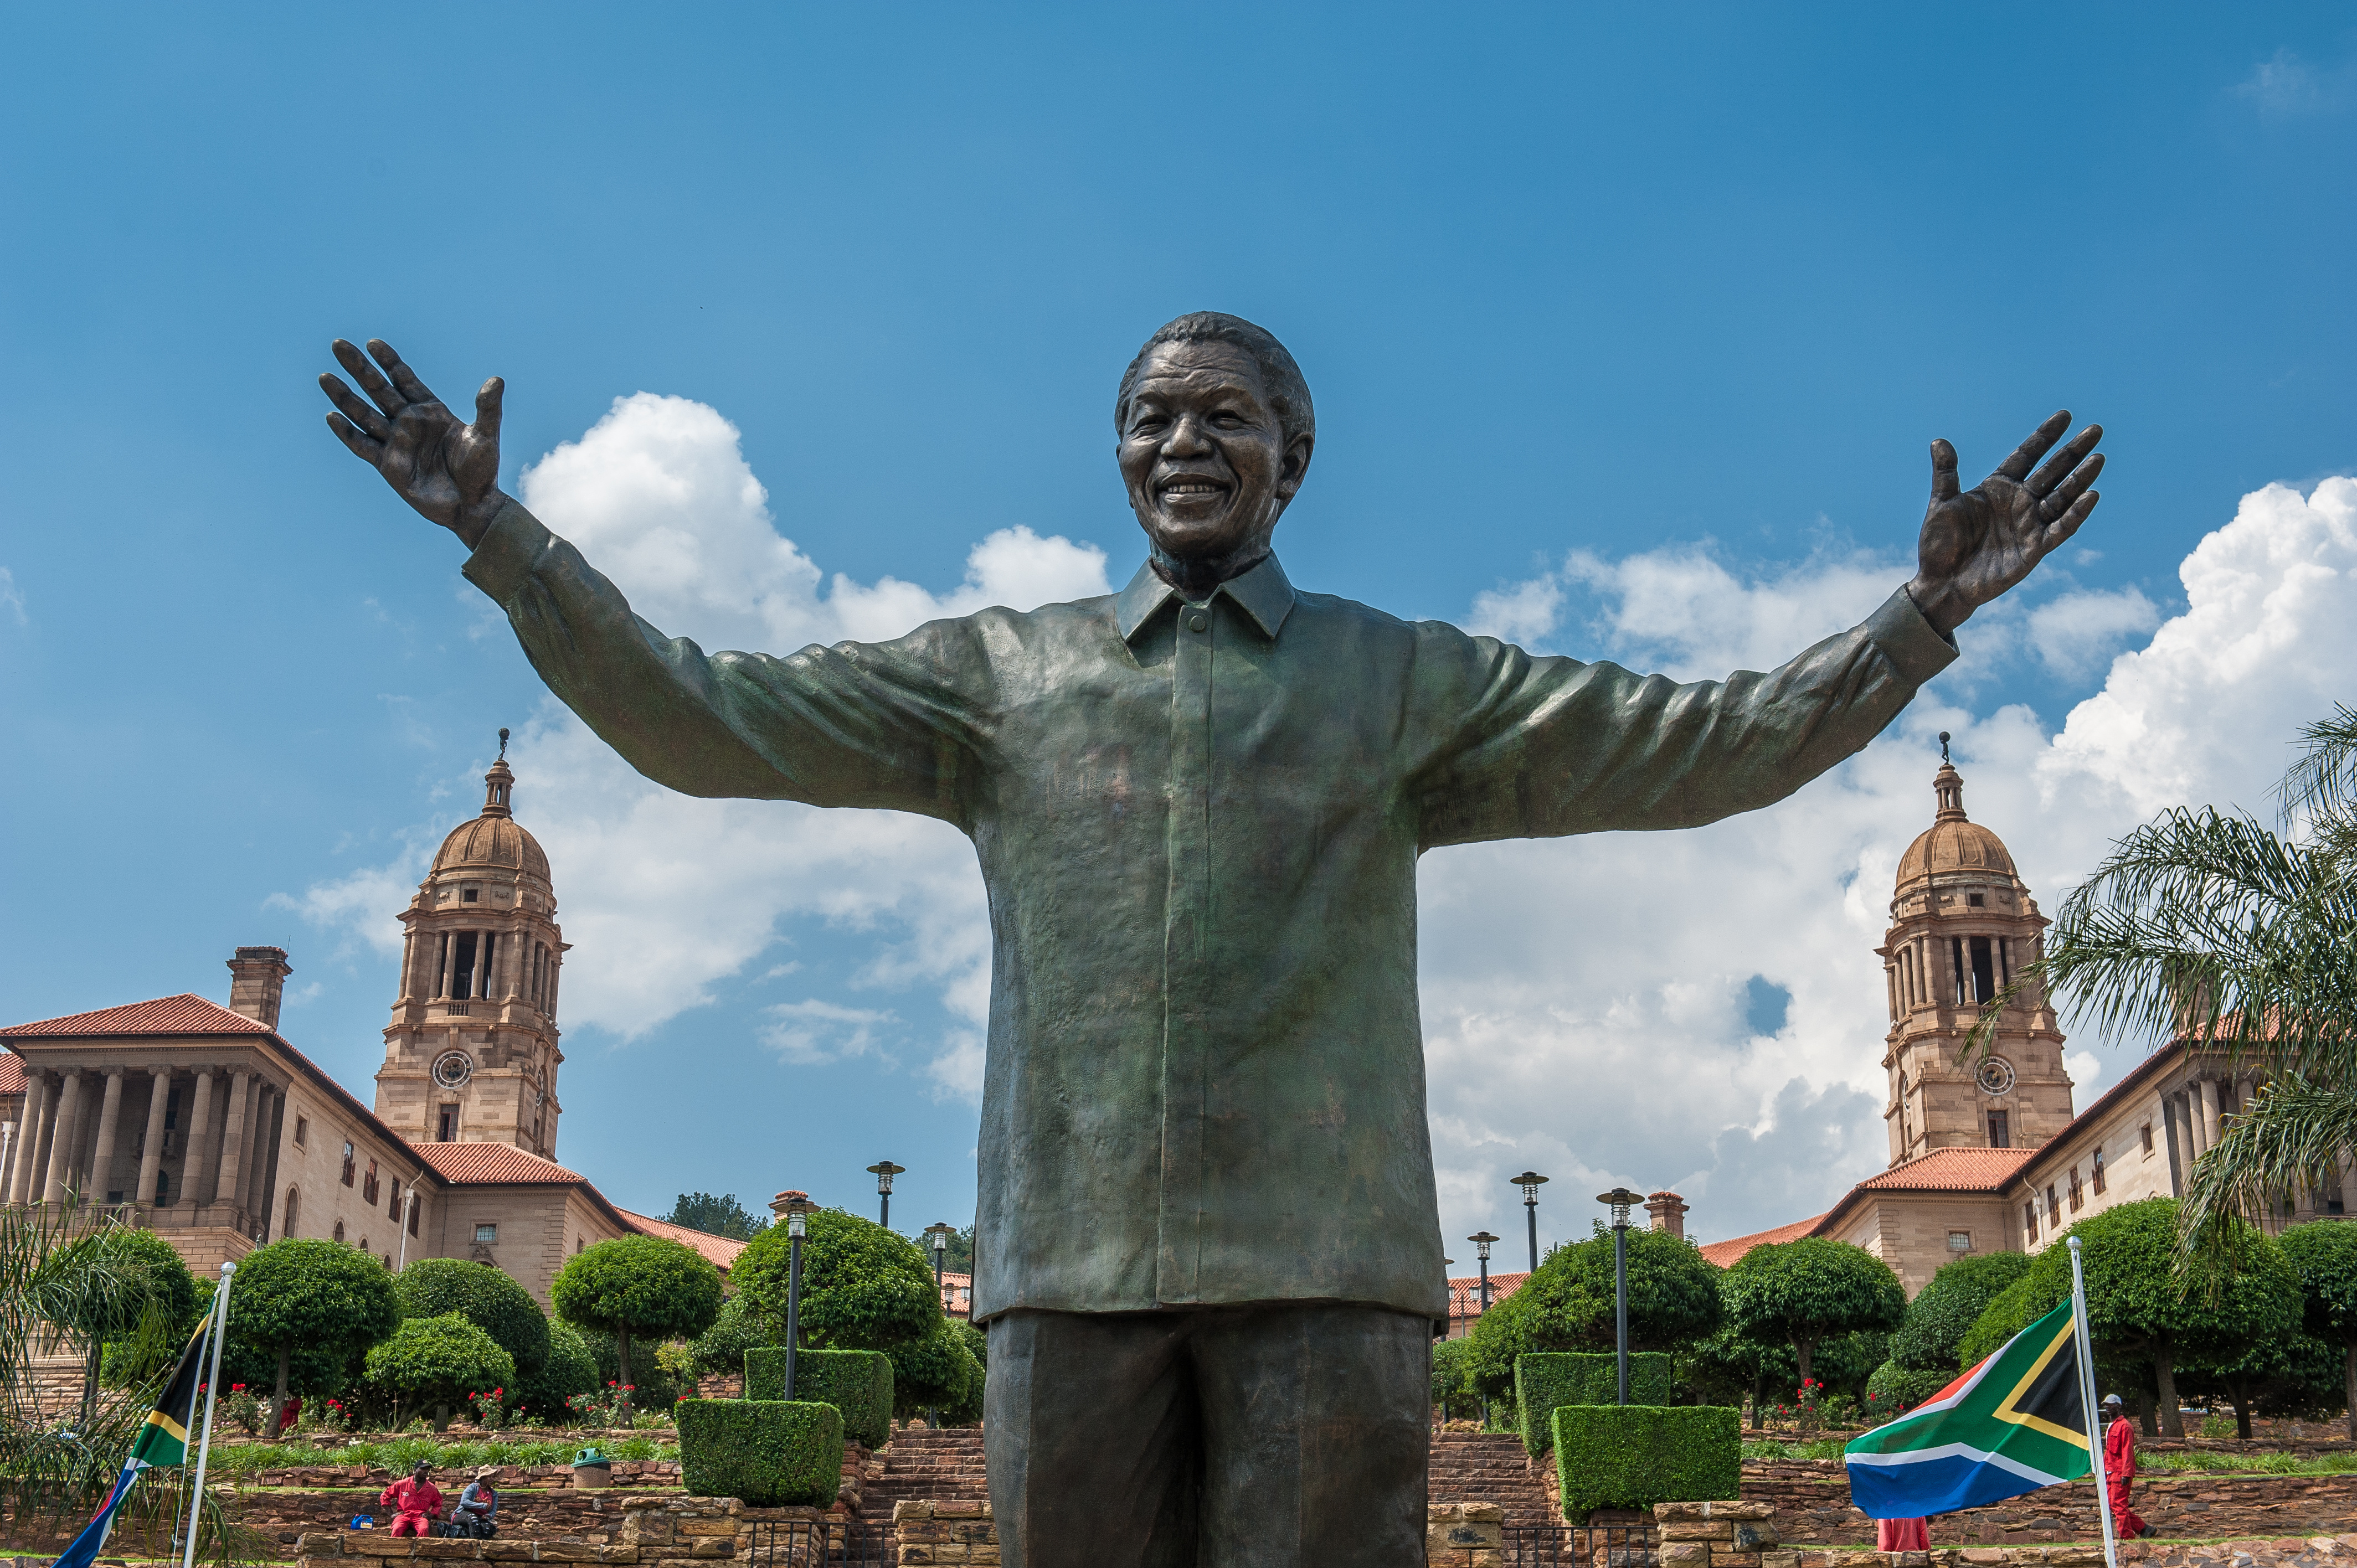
[{"x": 1637, "y": 325}]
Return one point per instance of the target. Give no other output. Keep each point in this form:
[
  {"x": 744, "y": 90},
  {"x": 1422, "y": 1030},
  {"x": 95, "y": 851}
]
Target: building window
[
  {"x": 2146, "y": 1131},
  {"x": 413, "y": 1215},
  {"x": 449, "y": 1128},
  {"x": 162, "y": 1188},
  {"x": 1975, "y": 900},
  {"x": 486, "y": 1234},
  {"x": 302, "y": 1130},
  {"x": 2030, "y": 1220},
  {"x": 578, "y": 1244},
  {"x": 364, "y": 1246},
  {"x": 468, "y": 897},
  {"x": 2000, "y": 1130},
  {"x": 293, "y": 1208},
  {"x": 2054, "y": 1205},
  {"x": 2099, "y": 1171},
  {"x": 1960, "y": 1241},
  {"x": 350, "y": 1164},
  {"x": 340, "y": 1229},
  {"x": 393, "y": 1204},
  {"x": 1984, "y": 971},
  {"x": 368, "y": 1183},
  {"x": 2075, "y": 1198}
]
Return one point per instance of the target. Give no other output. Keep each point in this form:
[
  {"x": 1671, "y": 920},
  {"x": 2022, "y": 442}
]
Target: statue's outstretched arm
[{"x": 885, "y": 725}]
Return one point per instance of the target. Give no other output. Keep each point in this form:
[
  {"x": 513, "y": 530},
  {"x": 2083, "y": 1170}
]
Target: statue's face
[{"x": 1204, "y": 457}]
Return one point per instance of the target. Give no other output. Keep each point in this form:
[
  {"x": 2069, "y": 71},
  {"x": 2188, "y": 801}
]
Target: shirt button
[{"x": 1196, "y": 623}]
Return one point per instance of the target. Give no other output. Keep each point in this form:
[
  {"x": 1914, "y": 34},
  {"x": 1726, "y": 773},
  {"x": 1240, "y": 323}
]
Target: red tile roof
[
  {"x": 181, "y": 1014},
  {"x": 12, "y": 1073},
  {"x": 720, "y": 1252},
  {"x": 1951, "y": 1170},
  {"x": 1465, "y": 1291},
  {"x": 495, "y": 1164},
  {"x": 1724, "y": 1253}
]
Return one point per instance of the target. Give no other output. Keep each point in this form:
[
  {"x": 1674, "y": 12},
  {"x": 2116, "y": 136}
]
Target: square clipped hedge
[
  {"x": 1544, "y": 1380},
  {"x": 1633, "y": 1456},
  {"x": 771, "y": 1452},
  {"x": 857, "y": 1382}
]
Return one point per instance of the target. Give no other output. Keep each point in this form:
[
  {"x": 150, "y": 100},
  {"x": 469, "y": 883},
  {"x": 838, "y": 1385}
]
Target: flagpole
[
  {"x": 212, "y": 1391},
  {"x": 2087, "y": 1401}
]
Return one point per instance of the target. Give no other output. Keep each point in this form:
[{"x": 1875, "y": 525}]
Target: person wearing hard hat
[{"x": 2120, "y": 1467}]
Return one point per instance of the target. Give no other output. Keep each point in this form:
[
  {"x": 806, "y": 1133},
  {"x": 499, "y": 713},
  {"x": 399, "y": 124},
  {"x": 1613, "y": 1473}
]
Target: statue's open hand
[
  {"x": 448, "y": 472},
  {"x": 1977, "y": 543}
]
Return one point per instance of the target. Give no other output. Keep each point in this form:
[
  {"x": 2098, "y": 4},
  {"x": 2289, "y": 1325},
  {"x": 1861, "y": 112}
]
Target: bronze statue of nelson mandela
[{"x": 1209, "y": 1245}]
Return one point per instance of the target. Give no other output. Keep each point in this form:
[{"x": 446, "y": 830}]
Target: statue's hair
[{"x": 1288, "y": 394}]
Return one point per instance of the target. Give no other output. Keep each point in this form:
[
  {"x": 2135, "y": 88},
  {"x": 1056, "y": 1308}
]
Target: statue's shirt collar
[{"x": 1265, "y": 594}]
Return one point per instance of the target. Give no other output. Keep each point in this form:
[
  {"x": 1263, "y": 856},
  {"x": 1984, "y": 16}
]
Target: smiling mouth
[{"x": 1191, "y": 490}]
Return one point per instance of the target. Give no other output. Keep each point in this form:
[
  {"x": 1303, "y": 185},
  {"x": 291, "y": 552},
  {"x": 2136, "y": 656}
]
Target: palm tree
[{"x": 2213, "y": 928}]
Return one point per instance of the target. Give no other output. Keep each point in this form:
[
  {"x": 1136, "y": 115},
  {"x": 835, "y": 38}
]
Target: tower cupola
[
  {"x": 471, "y": 1052},
  {"x": 1964, "y": 926}
]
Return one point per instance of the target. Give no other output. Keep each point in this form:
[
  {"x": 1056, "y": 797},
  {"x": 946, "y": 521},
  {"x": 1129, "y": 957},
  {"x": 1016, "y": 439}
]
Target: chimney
[
  {"x": 1669, "y": 1212},
  {"x": 257, "y": 979}
]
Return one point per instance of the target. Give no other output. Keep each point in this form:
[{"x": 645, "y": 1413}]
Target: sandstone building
[
  {"x": 1986, "y": 1151},
  {"x": 207, "y": 1125}
]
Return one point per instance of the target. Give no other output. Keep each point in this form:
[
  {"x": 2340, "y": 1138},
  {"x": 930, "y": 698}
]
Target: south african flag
[
  {"x": 2014, "y": 1423},
  {"x": 163, "y": 1440}
]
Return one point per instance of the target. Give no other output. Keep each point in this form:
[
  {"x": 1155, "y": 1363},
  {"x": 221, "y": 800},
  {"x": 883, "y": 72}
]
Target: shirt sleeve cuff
[
  {"x": 1898, "y": 628},
  {"x": 509, "y": 549}
]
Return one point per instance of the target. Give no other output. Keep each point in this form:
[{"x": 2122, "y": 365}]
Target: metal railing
[
  {"x": 819, "y": 1543},
  {"x": 1580, "y": 1546}
]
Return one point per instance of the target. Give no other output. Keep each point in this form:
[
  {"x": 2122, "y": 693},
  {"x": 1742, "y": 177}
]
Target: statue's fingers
[
  {"x": 487, "y": 404},
  {"x": 371, "y": 379},
  {"x": 354, "y": 406},
  {"x": 404, "y": 379},
  {"x": 2065, "y": 495},
  {"x": 366, "y": 450},
  {"x": 1944, "y": 486},
  {"x": 2024, "y": 456},
  {"x": 2063, "y": 461},
  {"x": 2068, "y": 524}
]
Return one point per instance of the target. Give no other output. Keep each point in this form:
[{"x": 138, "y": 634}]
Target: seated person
[
  {"x": 414, "y": 1501},
  {"x": 478, "y": 1506}
]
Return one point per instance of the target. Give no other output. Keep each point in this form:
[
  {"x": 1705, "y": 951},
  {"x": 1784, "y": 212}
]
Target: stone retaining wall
[
  {"x": 1812, "y": 1502},
  {"x": 945, "y": 1532}
]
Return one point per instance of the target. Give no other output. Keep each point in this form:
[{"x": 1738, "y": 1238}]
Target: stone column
[
  {"x": 233, "y": 1135},
  {"x": 486, "y": 947},
  {"x": 200, "y": 1140},
  {"x": 28, "y": 1137},
  {"x": 258, "y": 1146},
  {"x": 265, "y": 1162},
  {"x": 102, "y": 1154},
  {"x": 151, "y": 1151},
  {"x": 408, "y": 963},
  {"x": 2211, "y": 1110},
  {"x": 53, "y": 1190}
]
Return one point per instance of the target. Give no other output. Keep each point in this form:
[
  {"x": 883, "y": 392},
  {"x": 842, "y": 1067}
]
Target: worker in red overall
[
  {"x": 413, "y": 1502},
  {"x": 2119, "y": 1467}
]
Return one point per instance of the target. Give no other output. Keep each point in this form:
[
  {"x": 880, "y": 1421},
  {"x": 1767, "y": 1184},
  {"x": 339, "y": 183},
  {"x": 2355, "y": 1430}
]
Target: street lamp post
[
  {"x": 1620, "y": 1200},
  {"x": 884, "y": 1171},
  {"x": 1530, "y": 1182},
  {"x": 939, "y": 1232},
  {"x": 1482, "y": 1241},
  {"x": 795, "y": 1206}
]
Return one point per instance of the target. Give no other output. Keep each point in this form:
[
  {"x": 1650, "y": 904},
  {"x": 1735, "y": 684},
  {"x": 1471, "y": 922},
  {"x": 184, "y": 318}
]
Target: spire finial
[
  {"x": 1944, "y": 744},
  {"x": 503, "y": 744}
]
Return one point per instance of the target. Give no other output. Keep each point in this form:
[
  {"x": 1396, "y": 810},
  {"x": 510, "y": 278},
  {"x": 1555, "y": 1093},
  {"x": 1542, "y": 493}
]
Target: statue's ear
[{"x": 1296, "y": 466}]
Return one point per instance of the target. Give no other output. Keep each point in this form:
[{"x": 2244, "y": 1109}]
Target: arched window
[
  {"x": 340, "y": 1229},
  {"x": 293, "y": 1207}
]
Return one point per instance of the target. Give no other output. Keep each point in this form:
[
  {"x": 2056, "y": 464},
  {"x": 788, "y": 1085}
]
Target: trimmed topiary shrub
[
  {"x": 1544, "y": 1380},
  {"x": 1633, "y": 1456},
  {"x": 857, "y": 1382},
  {"x": 770, "y": 1453},
  {"x": 1904, "y": 1388}
]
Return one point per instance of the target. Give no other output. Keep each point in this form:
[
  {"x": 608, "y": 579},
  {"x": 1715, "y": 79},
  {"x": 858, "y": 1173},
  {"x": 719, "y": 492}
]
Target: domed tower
[
  {"x": 1961, "y": 925},
  {"x": 470, "y": 1055}
]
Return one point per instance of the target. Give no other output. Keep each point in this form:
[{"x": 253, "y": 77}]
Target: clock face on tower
[
  {"x": 453, "y": 1068},
  {"x": 1996, "y": 1075}
]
